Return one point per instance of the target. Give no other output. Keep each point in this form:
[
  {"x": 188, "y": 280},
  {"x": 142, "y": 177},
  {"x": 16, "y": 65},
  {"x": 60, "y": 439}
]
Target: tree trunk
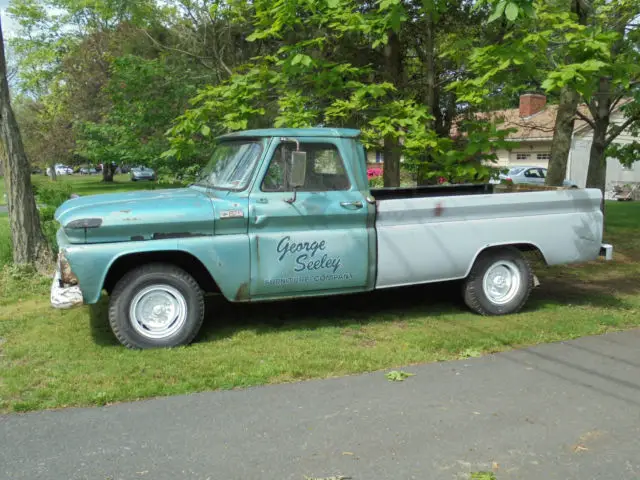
[
  {"x": 391, "y": 149},
  {"x": 596, "y": 174},
  {"x": 565, "y": 118},
  {"x": 430, "y": 97},
  {"x": 107, "y": 172},
  {"x": 54, "y": 175},
  {"x": 597, "y": 171},
  {"x": 29, "y": 243},
  {"x": 562, "y": 134},
  {"x": 391, "y": 170}
]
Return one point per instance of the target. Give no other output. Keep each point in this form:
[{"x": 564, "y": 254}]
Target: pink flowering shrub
[{"x": 374, "y": 172}]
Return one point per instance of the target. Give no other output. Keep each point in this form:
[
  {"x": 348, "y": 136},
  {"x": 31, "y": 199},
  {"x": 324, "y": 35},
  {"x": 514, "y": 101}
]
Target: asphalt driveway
[{"x": 562, "y": 411}]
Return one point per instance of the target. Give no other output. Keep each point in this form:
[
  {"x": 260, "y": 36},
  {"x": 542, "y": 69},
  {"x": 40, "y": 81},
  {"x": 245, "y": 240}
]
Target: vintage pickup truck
[{"x": 285, "y": 213}]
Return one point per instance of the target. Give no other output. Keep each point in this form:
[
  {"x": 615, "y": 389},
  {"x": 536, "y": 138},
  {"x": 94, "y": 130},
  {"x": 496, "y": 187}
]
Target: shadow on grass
[
  {"x": 223, "y": 318},
  {"x": 99, "y": 324},
  {"x": 409, "y": 303},
  {"x": 591, "y": 290}
]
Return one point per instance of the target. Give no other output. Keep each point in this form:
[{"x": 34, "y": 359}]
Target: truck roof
[{"x": 293, "y": 132}]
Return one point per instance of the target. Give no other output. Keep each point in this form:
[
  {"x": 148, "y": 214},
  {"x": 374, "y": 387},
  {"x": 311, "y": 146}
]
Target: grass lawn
[
  {"x": 54, "y": 359},
  {"x": 89, "y": 184}
]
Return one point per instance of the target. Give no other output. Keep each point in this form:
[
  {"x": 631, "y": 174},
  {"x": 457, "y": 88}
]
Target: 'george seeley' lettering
[{"x": 307, "y": 260}]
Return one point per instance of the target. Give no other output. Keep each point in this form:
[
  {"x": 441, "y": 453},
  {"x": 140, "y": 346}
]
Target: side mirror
[{"x": 298, "y": 171}]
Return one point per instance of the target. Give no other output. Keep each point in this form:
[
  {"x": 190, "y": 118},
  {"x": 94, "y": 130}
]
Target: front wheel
[
  {"x": 156, "y": 305},
  {"x": 499, "y": 283}
]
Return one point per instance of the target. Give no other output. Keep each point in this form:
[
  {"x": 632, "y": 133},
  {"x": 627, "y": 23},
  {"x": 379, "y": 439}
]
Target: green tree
[
  {"x": 344, "y": 63},
  {"x": 615, "y": 84},
  {"x": 29, "y": 243},
  {"x": 586, "y": 55}
]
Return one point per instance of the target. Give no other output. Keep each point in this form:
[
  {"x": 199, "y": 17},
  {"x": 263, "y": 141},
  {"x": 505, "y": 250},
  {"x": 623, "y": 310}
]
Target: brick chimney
[{"x": 531, "y": 103}]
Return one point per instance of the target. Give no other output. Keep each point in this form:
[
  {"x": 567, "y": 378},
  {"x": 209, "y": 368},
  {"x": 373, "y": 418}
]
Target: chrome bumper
[
  {"x": 64, "y": 296},
  {"x": 606, "y": 251}
]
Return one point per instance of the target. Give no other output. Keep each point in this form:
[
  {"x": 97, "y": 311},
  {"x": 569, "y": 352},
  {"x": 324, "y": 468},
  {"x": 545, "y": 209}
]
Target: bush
[
  {"x": 376, "y": 182},
  {"x": 6, "y": 252},
  {"x": 50, "y": 196}
]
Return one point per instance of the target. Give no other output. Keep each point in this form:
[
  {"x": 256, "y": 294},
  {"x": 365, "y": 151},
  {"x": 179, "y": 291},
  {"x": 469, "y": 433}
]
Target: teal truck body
[{"x": 287, "y": 213}]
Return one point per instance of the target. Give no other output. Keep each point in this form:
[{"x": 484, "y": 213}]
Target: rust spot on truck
[
  {"x": 66, "y": 274},
  {"x": 242, "y": 295}
]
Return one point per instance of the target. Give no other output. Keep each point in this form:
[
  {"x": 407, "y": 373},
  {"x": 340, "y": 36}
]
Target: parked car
[
  {"x": 530, "y": 175},
  {"x": 142, "y": 173},
  {"x": 61, "y": 170},
  {"x": 286, "y": 213},
  {"x": 87, "y": 171}
]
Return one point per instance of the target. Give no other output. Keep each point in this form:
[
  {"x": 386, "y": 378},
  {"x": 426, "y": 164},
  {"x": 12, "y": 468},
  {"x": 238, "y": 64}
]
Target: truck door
[{"x": 312, "y": 240}]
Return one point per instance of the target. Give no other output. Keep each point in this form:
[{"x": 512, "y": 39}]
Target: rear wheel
[
  {"x": 499, "y": 283},
  {"x": 156, "y": 305}
]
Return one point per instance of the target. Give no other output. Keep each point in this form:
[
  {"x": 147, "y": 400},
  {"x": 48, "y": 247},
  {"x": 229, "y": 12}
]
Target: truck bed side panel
[{"x": 424, "y": 240}]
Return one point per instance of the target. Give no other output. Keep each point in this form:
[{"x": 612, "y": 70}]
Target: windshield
[
  {"x": 516, "y": 170},
  {"x": 231, "y": 165}
]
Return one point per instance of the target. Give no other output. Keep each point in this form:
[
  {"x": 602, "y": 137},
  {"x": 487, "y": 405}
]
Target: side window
[
  {"x": 325, "y": 169},
  {"x": 532, "y": 173}
]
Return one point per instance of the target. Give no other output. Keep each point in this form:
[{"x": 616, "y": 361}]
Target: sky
[{"x": 8, "y": 25}]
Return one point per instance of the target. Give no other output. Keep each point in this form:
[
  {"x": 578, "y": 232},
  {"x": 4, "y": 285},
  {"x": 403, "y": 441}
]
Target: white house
[{"x": 534, "y": 121}]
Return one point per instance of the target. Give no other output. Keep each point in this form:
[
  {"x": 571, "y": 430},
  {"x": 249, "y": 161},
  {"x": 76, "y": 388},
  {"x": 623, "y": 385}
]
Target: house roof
[{"x": 538, "y": 126}]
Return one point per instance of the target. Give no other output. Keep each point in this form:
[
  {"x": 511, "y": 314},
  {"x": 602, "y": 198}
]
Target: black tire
[
  {"x": 474, "y": 292},
  {"x": 159, "y": 279}
]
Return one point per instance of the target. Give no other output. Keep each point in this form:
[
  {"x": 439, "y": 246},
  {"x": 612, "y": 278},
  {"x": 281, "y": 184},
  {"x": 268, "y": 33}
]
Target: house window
[
  {"x": 543, "y": 157},
  {"x": 522, "y": 157},
  {"x": 627, "y": 168}
]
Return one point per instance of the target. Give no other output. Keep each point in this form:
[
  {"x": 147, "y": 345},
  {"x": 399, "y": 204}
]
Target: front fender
[{"x": 225, "y": 257}]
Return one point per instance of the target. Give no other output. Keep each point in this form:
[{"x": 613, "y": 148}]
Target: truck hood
[{"x": 137, "y": 216}]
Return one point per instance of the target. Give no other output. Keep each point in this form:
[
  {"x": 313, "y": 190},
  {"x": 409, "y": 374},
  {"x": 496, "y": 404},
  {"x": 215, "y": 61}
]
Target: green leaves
[
  {"x": 305, "y": 60},
  {"x": 500, "y": 8},
  {"x": 398, "y": 376},
  {"x": 511, "y": 11}
]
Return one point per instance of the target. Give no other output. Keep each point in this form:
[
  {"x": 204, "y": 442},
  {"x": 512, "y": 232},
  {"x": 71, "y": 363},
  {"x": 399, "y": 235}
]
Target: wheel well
[
  {"x": 523, "y": 247},
  {"x": 186, "y": 261}
]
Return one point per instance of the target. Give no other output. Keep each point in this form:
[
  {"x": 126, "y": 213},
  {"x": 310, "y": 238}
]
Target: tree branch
[
  {"x": 593, "y": 108},
  {"x": 184, "y": 52},
  {"x": 621, "y": 128},
  {"x": 586, "y": 119},
  {"x": 615, "y": 102}
]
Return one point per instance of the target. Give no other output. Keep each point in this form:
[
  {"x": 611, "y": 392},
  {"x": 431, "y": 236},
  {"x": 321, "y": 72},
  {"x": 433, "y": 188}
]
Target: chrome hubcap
[
  {"x": 158, "y": 311},
  {"x": 501, "y": 282}
]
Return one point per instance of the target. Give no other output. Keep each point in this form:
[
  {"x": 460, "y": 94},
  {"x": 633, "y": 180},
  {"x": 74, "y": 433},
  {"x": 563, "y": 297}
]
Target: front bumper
[
  {"x": 64, "y": 296},
  {"x": 606, "y": 251}
]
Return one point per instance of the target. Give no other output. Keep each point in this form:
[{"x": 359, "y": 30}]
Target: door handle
[{"x": 351, "y": 205}]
